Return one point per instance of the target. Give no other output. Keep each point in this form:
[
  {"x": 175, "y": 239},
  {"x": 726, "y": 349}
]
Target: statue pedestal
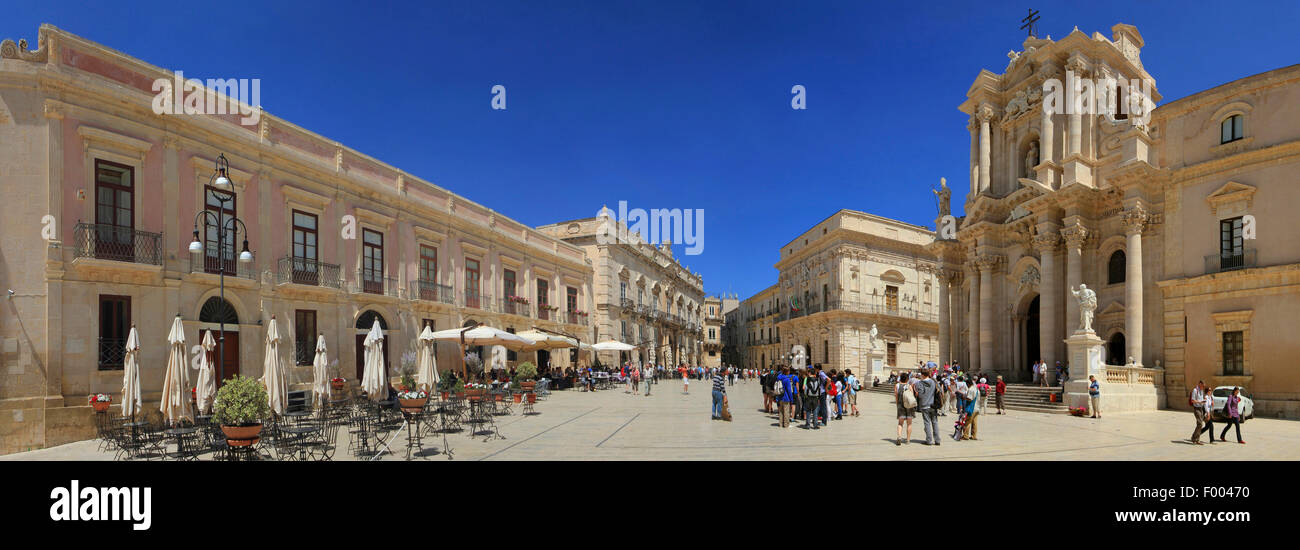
[
  {"x": 875, "y": 361},
  {"x": 1084, "y": 350}
]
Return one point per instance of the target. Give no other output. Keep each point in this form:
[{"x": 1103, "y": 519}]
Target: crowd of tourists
[{"x": 814, "y": 394}]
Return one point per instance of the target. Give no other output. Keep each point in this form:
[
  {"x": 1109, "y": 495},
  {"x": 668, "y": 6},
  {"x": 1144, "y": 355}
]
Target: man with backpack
[
  {"x": 812, "y": 395},
  {"x": 927, "y": 399},
  {"x": 784, "y": 385},
  {"x": 853, "y": 387}
]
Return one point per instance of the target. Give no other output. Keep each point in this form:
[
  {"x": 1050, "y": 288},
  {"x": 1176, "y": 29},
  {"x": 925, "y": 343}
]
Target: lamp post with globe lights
[{"x": 220, "y": 181}]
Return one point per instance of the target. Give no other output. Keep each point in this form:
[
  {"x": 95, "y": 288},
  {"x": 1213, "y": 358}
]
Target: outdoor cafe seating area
[{"x": 349, "y": 426}]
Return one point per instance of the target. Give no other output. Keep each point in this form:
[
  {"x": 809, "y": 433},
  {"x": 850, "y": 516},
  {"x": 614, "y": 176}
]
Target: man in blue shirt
[{"x": 785, "y": 399}]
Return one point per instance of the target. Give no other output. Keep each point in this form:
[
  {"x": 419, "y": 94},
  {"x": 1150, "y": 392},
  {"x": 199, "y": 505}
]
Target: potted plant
[
  {"x": 447, "y": 383},
  {"x": 525, "y": 373},
  {"x": 412, "y": 399},
  {"x": 100, "y": 402},
  {"x": 516, "y": 389},
  {"x": 1079, "y": 411},
  {"x": 336, "y": 382},
  {"x": 240, "y": 407}
]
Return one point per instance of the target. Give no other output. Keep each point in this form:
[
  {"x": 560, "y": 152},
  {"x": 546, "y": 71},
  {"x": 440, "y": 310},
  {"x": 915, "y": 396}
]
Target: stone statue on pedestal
[
  {"x": 945, "y": 197},
  {"x": 872, "y": 334},
  {"x": 1087, "y": 305}
]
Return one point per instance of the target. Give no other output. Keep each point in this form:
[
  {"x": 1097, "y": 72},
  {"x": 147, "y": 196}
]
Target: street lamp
[{"x": 220, "y": 181}]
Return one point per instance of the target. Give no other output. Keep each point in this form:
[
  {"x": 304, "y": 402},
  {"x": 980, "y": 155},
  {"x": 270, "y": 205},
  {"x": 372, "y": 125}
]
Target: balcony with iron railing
[
  {"x": 575, "y": 318},
  {"x": 881, "y": 309},
  {"x": 118, "y": 244},
  {"x": 514, "y": 307},
  {"x": 625, "y": 303},
  {"x": 1231, "y": 261},
  {"x": 213, "y": 265},
  {"x": 431, "y": 291},
  {"x": 547, "y": 312},
  {"x": 476, "y": 300},
  {"x": 303, "y": 271},
  {"x": 373, "y": 281}
]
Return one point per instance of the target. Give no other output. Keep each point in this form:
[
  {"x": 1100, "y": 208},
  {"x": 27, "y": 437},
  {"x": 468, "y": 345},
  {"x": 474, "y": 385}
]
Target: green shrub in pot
[{"x": 241, "y": 401}]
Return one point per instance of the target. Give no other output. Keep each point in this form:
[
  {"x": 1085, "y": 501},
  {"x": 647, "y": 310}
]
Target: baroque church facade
[{"x": 1177, "y": 219}]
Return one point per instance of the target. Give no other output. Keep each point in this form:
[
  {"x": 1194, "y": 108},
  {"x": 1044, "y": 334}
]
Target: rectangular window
[
  {"x": 622, "y": 292},
  {"x": 114, "y": 211},
  {"x": 114, "y": 327},
  {"x": 543, "y": 300},
  {"x": 472, "y": 297},
  {"x": 306, "y": 267},
  {"x": 372, "y": 261},
  {"x": 428, "y": 265},
  {"x": 221, "y": 206},
  {"x": 1234, "y": 353},
  {"x": 508, "y": 283},
  {"x": 571, "y": 298},
  {"x": 1232, "y": 251},
  {"x": 304, "y": 336},
  {"x": 891, "y": 300},
  {"x": 510, "y": 354}
]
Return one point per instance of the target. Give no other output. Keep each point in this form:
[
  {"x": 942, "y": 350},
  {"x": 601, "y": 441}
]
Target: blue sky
[{"x": 661, "y": 104}]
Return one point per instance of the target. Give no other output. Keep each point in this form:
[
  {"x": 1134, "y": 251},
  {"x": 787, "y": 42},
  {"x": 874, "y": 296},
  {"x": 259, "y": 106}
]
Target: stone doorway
[{"x": 1031, "y": 346}]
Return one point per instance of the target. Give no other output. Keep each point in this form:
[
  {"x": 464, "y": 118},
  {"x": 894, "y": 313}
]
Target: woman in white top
[{"x": 686, "y": 383}]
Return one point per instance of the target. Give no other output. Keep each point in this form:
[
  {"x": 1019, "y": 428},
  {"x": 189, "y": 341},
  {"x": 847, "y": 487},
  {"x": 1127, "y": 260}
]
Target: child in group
[{"x": 686, "y": 383}]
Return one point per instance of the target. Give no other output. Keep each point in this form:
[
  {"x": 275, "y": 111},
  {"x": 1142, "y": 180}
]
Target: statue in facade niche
[
  {"x": 872, "y": 335},
  {"x": 1031, "y": 159},
  {"x": 1087, "y": 305}
]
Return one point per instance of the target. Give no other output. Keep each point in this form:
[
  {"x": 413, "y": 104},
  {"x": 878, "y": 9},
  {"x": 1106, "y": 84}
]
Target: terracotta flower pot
[
  {"x": 241, "y": 433},
  {"x": 413, "y": 405},
  {"x": 532, "y": 397},
  {"x": 100, "y": 406},
  {"x": 519, "y": 397},
  {"x": 337, "y": 386}
]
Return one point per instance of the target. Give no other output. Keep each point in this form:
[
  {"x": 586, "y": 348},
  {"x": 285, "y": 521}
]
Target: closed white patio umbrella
[
  {"x": 206, "y": 388},
  {"x": 277, "y": 387},
  {"x": 131, "y": 375},
  {"x": 374, "y": 378},
  {"x": 426, "y": 375},
  {"x": 176, "y": 382},
  {"x": 320, "y": 372}
]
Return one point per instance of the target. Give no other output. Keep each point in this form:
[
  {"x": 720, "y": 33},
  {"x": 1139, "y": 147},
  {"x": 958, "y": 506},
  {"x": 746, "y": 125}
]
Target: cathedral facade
[{"x": 1175, "y": 216}]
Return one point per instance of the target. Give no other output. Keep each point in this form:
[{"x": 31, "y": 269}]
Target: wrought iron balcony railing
[
  {"x": 212, "y": 264},
  {"x": 112, "y": 353},
  {"x": 373, "y": 281},
  {"x": 119, "y": 244},
  {"x": 478, "y": 301},
  {"x": 430, "y": 291},
  {"x": 1228, "y": 261},
  {"x": 304, "y": 271},
  {"x": 516, "y": 308}
]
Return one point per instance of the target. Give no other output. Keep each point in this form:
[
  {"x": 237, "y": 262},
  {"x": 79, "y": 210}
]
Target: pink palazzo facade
[{"x": 101, "y": 196}]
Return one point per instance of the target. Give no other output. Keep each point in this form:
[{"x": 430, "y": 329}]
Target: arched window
[
  {"x": 216, "y": 310},
  {"x": 1116, "y": 268},
  {"x": 1230, "y": 129},
  {"x": 367, "y": 320}
]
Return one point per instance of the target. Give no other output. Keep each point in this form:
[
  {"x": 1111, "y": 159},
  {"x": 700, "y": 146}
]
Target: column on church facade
[
  {"x": 1134, "y": 219},
  {"x": 986, "y": 264},
  {"x": 1017, "y": 361},
  {"x": 1075, "y": 235},
  {"x": 973, "y": 127},
  {"x": 1045, "y": 137},
  {"x": 1050, "y": 296},
  {"x": 944, "y": 316},
  {"x": 985, "y": 113},
  {"x": 973, "y": 324}
]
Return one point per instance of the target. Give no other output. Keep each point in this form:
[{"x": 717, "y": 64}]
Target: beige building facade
[
  {"x": 1177, "y": 220},
  {"x": 102, "y": 196},
  {"x": 642, "y": 295},
  {"x": 846, "y": 274}
]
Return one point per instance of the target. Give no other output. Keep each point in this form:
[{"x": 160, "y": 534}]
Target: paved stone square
[{"x": 667, "y": 425}]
